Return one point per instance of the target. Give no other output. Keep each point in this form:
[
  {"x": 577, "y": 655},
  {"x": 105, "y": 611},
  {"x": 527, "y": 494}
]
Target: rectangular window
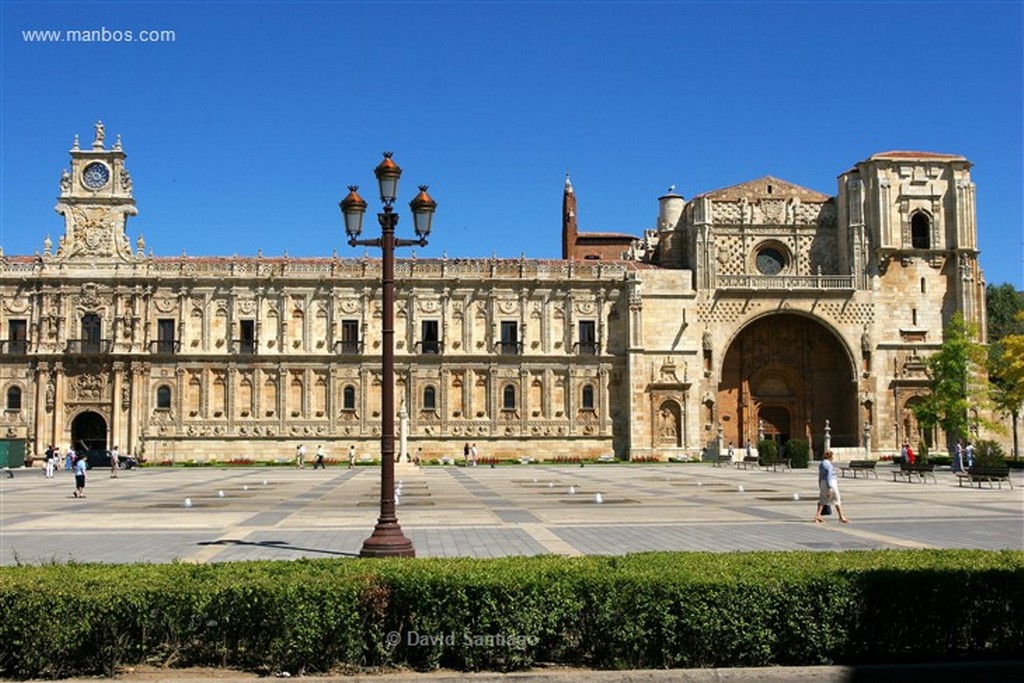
[
  {"x": 429, "y": 342},
  {"x": 247, "y": 343},
  {"x": 509, "y": 337},
  {"x": 17, "y": 336},
  {"x": 91, "y": 329},
  {"x": 588, "y": 338},
  {"x": 349, "y": 336},
  {"x": 165, "y": 341}
]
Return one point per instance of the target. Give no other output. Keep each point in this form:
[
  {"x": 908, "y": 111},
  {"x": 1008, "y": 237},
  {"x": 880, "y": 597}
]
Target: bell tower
[{"x": 96, "y": 201}]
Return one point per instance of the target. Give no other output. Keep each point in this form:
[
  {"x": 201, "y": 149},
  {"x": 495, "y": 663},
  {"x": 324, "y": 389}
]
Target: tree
[
  {"x": 957, "y": 382},
  {"x": 1004, "y": 306},
  {"x": 1008, "y": 380}
]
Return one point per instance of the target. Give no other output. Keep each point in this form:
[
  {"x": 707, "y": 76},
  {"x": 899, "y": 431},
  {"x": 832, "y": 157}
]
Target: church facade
[{"x": 762, "y": 310}]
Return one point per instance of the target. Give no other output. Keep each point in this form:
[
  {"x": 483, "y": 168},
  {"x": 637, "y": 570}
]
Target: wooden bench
[
  {"x": 722, "y": 461},
  {"x": 855, "y": 466},
  {"x": 920, "y": 471},
  {"x": 978, "y": 475},
  {"x": 748, "y": 461},
  {"x": 780, "y": 463}
]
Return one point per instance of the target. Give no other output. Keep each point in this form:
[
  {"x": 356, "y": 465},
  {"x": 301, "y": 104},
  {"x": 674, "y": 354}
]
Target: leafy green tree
[
  {"x": 957, "y": 382},
  {"x": 1007, "y": 372},
  {"x": 1004, "y": 306}
]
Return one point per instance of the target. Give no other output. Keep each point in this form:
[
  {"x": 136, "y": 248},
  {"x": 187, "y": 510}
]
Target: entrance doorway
[
  {"x": 88, "y": 432},
  {"x": 792, "y": 373},
  {"x": 776, "y": 423}
]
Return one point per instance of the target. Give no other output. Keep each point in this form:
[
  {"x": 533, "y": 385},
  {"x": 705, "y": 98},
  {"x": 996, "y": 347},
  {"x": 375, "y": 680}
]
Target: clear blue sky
[{"x": 243, "y": 133}]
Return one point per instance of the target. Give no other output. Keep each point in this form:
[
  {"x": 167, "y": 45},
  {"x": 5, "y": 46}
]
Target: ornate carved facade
[{"x": 763, "y": 308}]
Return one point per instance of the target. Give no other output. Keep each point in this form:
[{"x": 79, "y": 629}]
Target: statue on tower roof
[{"x": 101, "y": 133}]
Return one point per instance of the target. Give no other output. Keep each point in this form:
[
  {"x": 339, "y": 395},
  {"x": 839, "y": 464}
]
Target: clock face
[
  {"x": 770, "y": 261},
  {"x": 95, "y": 175}
]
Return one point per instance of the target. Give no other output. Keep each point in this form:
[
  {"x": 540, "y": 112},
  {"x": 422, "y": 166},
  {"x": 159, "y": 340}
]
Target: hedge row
[{"x": 639, "y": 611}]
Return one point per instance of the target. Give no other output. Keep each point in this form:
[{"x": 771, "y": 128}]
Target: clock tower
[{"x": 95, "y": 200}]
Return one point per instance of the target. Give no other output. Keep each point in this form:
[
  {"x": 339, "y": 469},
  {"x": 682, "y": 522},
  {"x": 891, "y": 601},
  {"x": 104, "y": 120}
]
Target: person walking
[
  {"x": 51, "y": 461},
  {"x": 969, "y": 454},
  {"x": 351, "y": 456},
  {"x": 472, "y": 455},
  {"x": 115, "y": 462},
  {"x": 69, "y": 459},
  {"x": 828, "y": 489},
  {"x": 320, "y": 458},
  {"x": 958, "y": 456},
  {"x": 465, "y": 455},
  {"x": 300, "y": 456},
  {"x": 80, "y": 468}
]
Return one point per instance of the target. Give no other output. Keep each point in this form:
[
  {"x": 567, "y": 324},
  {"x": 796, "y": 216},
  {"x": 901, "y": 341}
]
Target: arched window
[
  {"x": 14, "y": 398},
  {"x": 588, "y": 397},
  {"x": 163, "y": 398},
  {"x": 348, "y": 398},
  {"x": 508, "y": 397},
  {"x": 920, "y": 231},
  {"x": 429, "y": 398}
]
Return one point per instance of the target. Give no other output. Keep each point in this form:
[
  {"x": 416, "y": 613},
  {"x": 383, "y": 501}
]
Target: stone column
[
  {"x": 403, "y": 432},
  {"x": 56, "y": 436},
  {"x": 116, "y": 407}
]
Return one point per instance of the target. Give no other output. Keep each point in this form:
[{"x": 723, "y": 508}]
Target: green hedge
[{"x": 653, "y": 610}]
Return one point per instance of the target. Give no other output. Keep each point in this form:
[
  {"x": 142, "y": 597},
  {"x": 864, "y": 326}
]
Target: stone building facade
[{"x": 762, "y": 309}]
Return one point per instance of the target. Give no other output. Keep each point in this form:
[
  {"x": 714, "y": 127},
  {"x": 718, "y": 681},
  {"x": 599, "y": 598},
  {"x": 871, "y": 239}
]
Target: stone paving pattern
[{"x": 284, "y": 513}]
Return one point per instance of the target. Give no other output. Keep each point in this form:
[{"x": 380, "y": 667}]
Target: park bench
[
  {"x": 855, "y": 466},
  {"x": 748, "y": 461},
  {"x": 978, "y": 475},
  {"x": 722, "y": 461},
  {"x": 780, "y": 463},
  {"x": 919, "y": 471}
]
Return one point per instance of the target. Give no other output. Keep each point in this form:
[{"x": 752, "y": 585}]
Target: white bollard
[{"x": 188, "y": 502}]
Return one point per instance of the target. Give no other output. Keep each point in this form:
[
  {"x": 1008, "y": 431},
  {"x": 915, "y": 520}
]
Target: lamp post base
[{"x": 387, "y": 540}]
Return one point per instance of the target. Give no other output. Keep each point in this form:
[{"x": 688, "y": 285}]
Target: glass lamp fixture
[
  {"x": 352, "y": 208},
  {"x": 423, "y": 208},
  {"x": 388, "y": 173}
]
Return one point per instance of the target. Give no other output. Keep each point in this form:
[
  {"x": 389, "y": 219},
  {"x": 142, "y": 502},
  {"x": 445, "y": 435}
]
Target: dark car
[{"x": 100, "y": 457}]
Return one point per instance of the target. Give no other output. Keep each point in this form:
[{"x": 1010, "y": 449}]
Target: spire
[{"x": 569, "y": 228}]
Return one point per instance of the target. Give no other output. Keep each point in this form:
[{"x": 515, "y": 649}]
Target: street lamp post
[{"x": 387, "y": 539}]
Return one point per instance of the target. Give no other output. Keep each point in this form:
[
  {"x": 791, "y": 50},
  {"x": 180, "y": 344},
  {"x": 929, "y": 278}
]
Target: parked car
[{"x": 100, "y": 457}]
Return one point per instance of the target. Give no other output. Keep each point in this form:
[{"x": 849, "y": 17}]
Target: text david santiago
[{"x": 416, "y": 639}]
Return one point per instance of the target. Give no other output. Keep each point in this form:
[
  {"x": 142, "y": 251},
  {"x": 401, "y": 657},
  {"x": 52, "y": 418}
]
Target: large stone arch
[
  {"x": 89, "y": 430},
  {"x": 790, "y": 372}
]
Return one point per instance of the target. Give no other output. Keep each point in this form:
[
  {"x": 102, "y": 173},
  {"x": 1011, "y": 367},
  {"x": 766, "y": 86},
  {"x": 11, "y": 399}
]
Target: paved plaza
[{"x": 287, "y": 513}]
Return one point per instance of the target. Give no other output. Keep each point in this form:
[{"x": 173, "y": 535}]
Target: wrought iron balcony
[
  {"x": 350, "y": 348},
  {"x": 165, "y": 347},
  {"x": 509, "y": 348},
  {"x": 244, "y": 346},
  {"x": 88, "y": 346},
  {"x": 14, "y": 347},
  {"x": 430, "y": 347}
]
